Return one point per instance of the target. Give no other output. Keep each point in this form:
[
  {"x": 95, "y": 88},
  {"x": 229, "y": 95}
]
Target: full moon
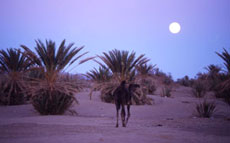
[{"x": 174, "y": 28}]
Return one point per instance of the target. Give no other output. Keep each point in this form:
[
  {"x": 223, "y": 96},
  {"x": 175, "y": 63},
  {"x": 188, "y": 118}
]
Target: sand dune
[{"x": 168, "y": 120}]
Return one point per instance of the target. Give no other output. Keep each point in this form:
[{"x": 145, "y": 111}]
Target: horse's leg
[
  {"x": 128, "y": 109},
  {"x": 123, "y": 115}
]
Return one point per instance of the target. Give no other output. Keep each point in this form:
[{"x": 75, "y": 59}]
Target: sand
[{"x": 168, "y": 120}]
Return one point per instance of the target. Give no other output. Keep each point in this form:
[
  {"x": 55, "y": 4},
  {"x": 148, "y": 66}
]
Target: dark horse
[{"x": 122, "y": 97}]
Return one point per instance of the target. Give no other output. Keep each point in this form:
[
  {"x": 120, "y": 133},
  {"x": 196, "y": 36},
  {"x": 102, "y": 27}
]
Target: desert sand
[{"x": 168, "y": 120}]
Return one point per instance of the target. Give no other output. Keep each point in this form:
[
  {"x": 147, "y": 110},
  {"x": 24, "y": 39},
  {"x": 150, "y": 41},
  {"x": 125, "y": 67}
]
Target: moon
[{"x": 174, "y": 27}]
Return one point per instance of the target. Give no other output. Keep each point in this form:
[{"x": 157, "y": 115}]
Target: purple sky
[{"x": 133, "y": 25}]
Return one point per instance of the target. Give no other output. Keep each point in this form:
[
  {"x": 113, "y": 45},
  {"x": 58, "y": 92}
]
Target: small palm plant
[
  {"x": 101, "y": 75},
  {"x": 52, "y": 96},
  {"x": 122, "y": 66},
  {"x": 205, "y": 109},
  {"x": 13, "y": 65}
]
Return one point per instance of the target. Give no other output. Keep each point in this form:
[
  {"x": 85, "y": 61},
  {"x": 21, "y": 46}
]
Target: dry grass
[
  {"x": 205, "y": 109},
  {"x": 199, "y": 89}
]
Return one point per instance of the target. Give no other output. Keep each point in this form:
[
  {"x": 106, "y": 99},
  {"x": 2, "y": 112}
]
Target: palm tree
[
  {"x": 51, "y": 96},
  {"x": 145, "y": 69},
  {"x": 101, "y": 75},
  {"x": 213, "y": 70},
  {"x": 121, "y": 63},
  {"x": 225, "y": 86},
  {"x": 13, "y": 65}
]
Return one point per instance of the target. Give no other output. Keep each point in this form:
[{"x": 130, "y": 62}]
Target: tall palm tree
[
  {"x": 52, "y": 96},
  {"x": 13, "y": 65}
]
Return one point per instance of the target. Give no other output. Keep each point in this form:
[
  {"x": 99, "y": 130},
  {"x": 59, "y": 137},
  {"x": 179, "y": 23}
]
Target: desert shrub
[
  {"x": 205, "y": 109},
  {"x": 148, "y": 86},
  {"x": 140, "y": 98},
  {"x": 52, "y": 101},
  {"x": 107, "y": 93},
  {"x": 166, "y": 91},
  {"x": 198, "y": 89},
  {"x": 185, "y": 81},
  {"x": 167, "y": 80}
]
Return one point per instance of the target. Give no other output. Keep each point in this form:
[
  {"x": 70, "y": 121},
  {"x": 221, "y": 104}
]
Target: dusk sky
[{"x": 134, "y": 25}]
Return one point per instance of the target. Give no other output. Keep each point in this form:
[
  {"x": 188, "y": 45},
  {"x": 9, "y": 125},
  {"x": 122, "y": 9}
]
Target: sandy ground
[{"x": 168, "y": 120}]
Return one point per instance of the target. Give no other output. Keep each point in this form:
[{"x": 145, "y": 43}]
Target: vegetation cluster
[{"x": 41, "y": 77}]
